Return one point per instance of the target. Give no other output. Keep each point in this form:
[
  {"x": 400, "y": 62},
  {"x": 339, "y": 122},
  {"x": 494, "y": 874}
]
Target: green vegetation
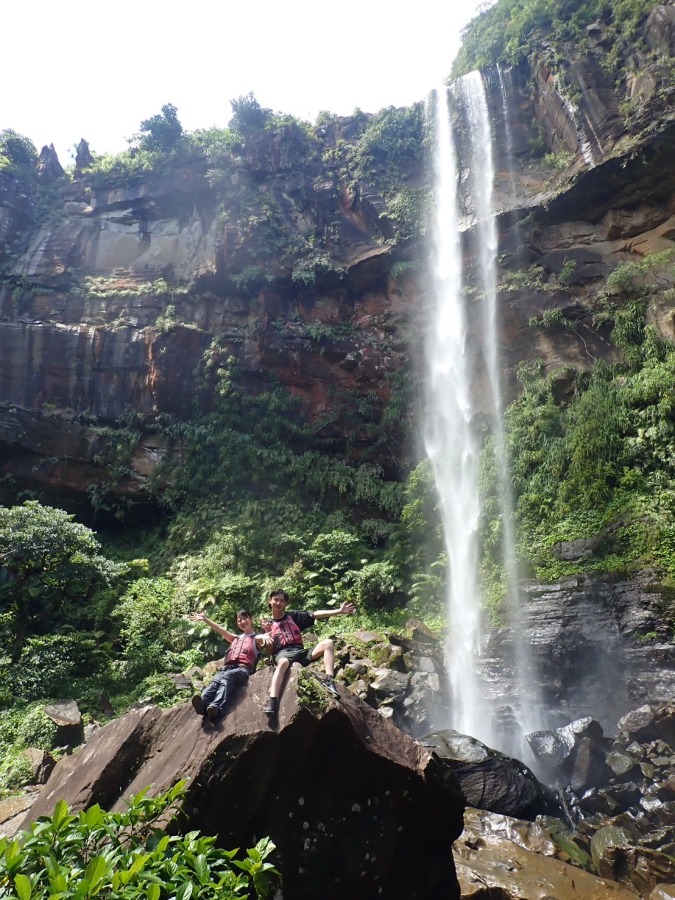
[
  {"x": 17, "y": 153},
  {"x": 129, "y": 855},
  {"x": 599, "y": 461},
  {"x": 161, "y": 133},
  {"x": 510, "y": 30}
]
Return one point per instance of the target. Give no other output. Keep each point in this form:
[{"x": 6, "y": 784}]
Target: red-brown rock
[{"x": 356, "y": 808}]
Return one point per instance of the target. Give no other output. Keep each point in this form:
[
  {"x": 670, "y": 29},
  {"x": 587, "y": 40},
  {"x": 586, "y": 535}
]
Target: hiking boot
[
  {"x": 213, "y": 713},
  {"x": 198, "y": 704},
  {"x": 330, "y": 686},
  {"x": 271, "y": 707}
]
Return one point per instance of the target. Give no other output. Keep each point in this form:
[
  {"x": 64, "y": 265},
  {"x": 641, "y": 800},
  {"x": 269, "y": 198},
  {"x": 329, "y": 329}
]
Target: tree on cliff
[
  {"x": 248, "y": 115},
  {"x": 16, "y": 151},
  {"x": 161, "y": 132},
  {"x": 46, "y": 560}
]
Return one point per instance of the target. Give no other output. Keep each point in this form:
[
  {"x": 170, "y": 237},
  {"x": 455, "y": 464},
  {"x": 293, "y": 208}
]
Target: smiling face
[
  {"x": 244, "y": 622},
  {"x": 278, "y": 603}
]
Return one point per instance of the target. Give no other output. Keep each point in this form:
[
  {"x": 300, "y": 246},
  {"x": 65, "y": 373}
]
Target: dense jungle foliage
[
  {"x": 509, "y": 31},
  {"x": 256, "y": 497},
  {"x": 593, "y": 453}
]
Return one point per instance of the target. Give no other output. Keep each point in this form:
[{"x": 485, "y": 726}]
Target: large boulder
[
  {"x": 497, "y": 862},
  {"x": 350, "y": 801},
  {"x": 488, "y": 779}
]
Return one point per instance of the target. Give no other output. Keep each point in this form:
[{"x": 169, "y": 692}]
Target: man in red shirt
[{"x": 284, "y": 641}]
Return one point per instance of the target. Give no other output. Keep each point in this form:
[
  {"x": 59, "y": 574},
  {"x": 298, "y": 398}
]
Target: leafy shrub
[
  {"x": 49, "y": 663},
  {"x": 149, "y": 618},
  {"x": 36, "y": 730},
  {"x": 128, "y": 855},
  {"x": 15, "y": 772}
]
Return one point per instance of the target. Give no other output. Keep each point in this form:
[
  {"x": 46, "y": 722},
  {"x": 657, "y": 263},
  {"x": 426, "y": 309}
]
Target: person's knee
[{"x": 283, "y": 663}]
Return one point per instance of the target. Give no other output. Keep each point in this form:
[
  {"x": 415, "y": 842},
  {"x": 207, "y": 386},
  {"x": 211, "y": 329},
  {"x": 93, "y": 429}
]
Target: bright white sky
[{"x": 90, "y": 69}]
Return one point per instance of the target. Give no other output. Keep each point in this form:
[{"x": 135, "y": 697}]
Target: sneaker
[
  {"x": 271, "y": 707},
  {"x": 213, "y": 713},
  {"x": 330, "y": 686},
  {"x": 198, "y": 704}
]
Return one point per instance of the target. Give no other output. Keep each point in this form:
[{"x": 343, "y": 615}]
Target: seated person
[
  {"x": 284, "y": 640},
  {"x": 240, "y": 663}
]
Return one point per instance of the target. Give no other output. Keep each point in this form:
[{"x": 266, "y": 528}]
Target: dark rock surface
[
  {"x": 598, "y": 647},
  {"x": 488, "y": 779},
  {"x": 356, "y": 808}
]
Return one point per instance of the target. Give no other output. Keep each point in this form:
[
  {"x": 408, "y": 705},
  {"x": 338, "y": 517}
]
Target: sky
[{"x": 76, "y": 69}]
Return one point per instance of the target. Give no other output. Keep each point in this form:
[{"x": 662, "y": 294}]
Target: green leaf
[
  {"x": 23, "y": 887},
  {"x": 184, "y": 892}
]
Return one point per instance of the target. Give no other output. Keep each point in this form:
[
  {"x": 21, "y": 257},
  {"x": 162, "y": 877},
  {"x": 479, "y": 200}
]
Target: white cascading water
[{"x": 451, "y": 436}]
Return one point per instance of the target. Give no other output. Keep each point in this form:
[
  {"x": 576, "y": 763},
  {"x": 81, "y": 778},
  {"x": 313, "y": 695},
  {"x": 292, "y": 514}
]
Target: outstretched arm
[
  {"x": 346, "y": 609},
  {"x": 202, "y": 617}
]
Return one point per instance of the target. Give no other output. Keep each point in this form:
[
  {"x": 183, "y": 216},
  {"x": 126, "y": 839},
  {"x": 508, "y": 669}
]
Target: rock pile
[{"x": 619, "y": 795}]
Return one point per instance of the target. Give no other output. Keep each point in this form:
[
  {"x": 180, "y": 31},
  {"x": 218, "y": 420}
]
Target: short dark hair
[
  {"x": 244, "y": 612},
  {"x": 277, "y": 592}
]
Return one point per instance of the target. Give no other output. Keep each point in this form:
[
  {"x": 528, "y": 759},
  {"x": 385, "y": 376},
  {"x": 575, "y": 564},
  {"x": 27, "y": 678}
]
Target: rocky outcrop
[
  {"x": 597, "y": 647},
  {"x": 354, "y": 806},
  {"x": 488, "y": 779},
  {"x": 498, "y": 857},
  {"x": 620, "y": 793}
]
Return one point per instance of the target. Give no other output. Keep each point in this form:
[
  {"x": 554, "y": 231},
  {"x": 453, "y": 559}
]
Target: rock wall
[
  {"x": 599, "y": 646},
  {"x": 110, "y": 299}
]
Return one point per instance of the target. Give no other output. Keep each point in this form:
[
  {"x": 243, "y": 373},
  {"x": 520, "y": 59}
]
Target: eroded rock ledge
[{"x": 356, "y": 808}]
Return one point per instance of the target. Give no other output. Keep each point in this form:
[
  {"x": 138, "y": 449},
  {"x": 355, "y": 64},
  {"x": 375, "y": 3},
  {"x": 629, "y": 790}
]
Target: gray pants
[{"x": 223, "y": 686}]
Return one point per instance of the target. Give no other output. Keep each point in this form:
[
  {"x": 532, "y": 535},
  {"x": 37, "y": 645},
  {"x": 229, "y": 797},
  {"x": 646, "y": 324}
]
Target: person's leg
[
  {"x": 230, "y": 680},
  {"x": 212, "y": 689},
  {"x": 326, "y": 648},
  {"x": 201, "y": 701},
  {"x": 280, "y": 668}
]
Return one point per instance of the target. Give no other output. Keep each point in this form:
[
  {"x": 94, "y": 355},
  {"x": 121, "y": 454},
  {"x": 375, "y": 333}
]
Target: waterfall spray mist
[{"x": 452, "y": 437}]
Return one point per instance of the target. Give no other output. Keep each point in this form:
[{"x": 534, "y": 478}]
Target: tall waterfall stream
[{"x": 452, "y": 432}]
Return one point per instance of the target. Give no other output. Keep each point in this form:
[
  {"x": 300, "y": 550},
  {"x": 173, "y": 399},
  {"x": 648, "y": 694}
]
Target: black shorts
[{"x": 300, "y": 655}]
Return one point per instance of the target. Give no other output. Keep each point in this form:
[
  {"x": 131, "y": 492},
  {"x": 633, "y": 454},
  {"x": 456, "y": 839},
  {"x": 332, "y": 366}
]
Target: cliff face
[{"x": 298, "y": 269}]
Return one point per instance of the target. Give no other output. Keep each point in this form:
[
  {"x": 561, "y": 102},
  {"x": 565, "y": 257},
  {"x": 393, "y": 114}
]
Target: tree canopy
[{"x": 161, "y": 132}]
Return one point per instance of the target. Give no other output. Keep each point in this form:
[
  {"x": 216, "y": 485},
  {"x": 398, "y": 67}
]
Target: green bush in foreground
[{"x": 127, "y": 855}]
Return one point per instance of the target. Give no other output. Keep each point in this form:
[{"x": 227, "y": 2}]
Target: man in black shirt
[{"x": 284, "y": 640}]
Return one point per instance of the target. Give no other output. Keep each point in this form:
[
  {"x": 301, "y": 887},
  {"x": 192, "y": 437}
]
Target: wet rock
[
  {"x": 369, "y": 833},
  {"x": 663, "y": 892},
  {"x": 492, "y": 866},
  {"x": 609, "y": 847},
  {"x": 589, "y": 765},
  {"x": 622, "y": 764},
  {"x": 488, "y": 779},
  {"x": 557, "y": 750}
]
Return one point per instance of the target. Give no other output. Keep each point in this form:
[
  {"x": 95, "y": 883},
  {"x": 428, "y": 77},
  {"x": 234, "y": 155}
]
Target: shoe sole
[
  {"x": 213, "y": 713},
  {"x": 198, "y": 705}
]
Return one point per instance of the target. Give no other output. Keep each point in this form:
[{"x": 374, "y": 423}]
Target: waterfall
[
  {"x": 451, "y": 440},
  {"x": 452, "y": 437}
]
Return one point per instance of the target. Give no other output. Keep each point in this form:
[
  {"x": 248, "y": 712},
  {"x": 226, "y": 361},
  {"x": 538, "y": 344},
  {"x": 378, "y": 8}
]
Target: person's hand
[
  {"x": 267, "y": 641},
  {"x": 197, "y": 617},
  {"x": 347, "y": 608}
]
